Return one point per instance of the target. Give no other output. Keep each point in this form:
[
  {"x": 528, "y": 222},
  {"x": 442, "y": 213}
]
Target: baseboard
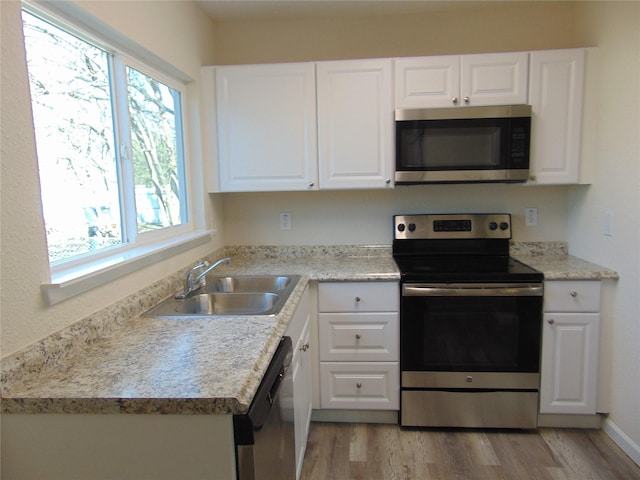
[
  {"x": 355, "y": 416},
  {"x": 623, "y": 440},
  {"x": 569, "y": 421}
]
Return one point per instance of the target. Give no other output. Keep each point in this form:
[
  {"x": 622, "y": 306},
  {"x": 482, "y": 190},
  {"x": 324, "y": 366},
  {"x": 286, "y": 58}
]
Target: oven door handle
[{"x": 472, "y": 290}]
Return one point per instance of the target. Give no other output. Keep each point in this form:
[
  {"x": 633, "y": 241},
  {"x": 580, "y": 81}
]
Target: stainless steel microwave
[{"x": 463, "y": 144}]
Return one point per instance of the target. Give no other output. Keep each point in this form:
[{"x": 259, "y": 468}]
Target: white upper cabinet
[
  {"x": 266, "y": 116},
  {"x": 427, "y": 81},
  {"x": 355, "y": 124},
  {"x": 462, "y": 80},
  {"x": 556, "y": 97},
  {"x": 494, "y": 79}
]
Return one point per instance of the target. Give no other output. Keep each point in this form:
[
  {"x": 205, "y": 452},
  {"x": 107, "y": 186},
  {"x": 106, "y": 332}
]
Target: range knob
[
  {"x": 412, "y": 227},
  {"x": 504, "y": 225},
  {"x": 401, "y": 227},
  {"x": 493, "y": 226}
]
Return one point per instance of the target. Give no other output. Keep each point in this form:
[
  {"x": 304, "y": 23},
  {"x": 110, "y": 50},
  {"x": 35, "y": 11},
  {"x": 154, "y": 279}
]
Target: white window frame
[{"x": 74, "y": 276}]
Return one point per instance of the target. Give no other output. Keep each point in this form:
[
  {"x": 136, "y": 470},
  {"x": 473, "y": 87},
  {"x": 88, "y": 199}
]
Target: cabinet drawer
[
  {"x": 572, "y": 296},
  {"x": 358, "y": 296},
  {"x": 366, "y": 386},
  {"x": 370, "y": 337}
]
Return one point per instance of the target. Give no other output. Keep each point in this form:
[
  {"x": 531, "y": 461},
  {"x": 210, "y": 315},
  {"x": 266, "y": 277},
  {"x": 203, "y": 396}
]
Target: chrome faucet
[{"x": 193, "y": 283}]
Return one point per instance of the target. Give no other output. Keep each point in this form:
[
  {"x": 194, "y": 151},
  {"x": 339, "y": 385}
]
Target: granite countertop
[
  {"x": 553, "y": 260},
  {"x": 119, "y": 362},
  {"x": 150, "y": 365}
]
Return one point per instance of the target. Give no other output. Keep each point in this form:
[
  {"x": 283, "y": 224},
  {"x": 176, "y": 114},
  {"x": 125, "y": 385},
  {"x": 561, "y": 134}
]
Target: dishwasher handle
[{"x": 472, "y": 290}]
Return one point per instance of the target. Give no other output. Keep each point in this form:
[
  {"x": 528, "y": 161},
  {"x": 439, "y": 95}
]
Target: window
[{"x": 109, "y": 137}]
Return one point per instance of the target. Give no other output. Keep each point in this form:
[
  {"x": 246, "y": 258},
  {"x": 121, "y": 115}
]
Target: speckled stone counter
[
  {"x": 116, "y": 361},
  {"x": 119, "y": 362},
  {"x": 553, "y": 260}
]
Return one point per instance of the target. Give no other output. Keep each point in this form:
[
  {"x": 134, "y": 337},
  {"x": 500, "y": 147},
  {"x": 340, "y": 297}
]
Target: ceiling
[{"x": 249, "y": 10}]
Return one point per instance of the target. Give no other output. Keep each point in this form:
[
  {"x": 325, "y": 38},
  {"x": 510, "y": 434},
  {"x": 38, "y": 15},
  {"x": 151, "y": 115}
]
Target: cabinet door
[
  {"x": 494, "y": 79},
  {"x": 267, "y": 127},
  {"x": 569, "y": 363},
  {"x": 556, "y": 91},
  {"x": 302, "y": 394},
  {"x": 355, "y": 124},
  {"x": 427, "y": 82}
]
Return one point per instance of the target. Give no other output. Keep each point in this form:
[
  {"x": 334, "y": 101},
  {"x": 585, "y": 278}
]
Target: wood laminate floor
[{"x": 344, "y": 451}]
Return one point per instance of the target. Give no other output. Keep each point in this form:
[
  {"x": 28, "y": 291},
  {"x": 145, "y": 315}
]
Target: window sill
[{"x": 74, "y": 281}]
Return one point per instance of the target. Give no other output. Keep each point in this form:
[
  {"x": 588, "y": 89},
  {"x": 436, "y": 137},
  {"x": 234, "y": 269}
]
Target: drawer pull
[
  {"x": 551, "y": 321},
  {"x": 573, "y": 293},
  {"x": 358, "y": 386},
  {"x": 358, "y": 337},
  {"x": 357, "y": 299}
]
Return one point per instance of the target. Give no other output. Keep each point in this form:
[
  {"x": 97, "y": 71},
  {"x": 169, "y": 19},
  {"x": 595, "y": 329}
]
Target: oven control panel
[{"x": 446, "y": 226}]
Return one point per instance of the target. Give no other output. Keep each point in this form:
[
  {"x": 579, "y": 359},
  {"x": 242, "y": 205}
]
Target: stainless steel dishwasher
[{"x": 264, "y": 436}]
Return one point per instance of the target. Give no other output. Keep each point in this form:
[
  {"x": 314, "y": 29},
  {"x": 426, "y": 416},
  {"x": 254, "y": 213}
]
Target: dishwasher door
[{"x": 264, "y": 436}]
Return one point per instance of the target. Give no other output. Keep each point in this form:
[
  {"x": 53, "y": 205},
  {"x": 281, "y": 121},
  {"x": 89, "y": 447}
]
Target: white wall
[
  {"x": 615, "y": 28},
  {"x": 174, "y": 31}
]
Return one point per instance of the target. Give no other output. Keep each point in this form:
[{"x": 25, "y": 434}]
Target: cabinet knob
[
  {"x": 304, "y": 347},
  {"x": 551, "y": 321},
  {"x": 573, "y": 293},
  {"x": 311, "y": 184},
  {"x": 358, "y": 337},
  {"x": 466, "y": 100},
  {"x": 357, "y": 299},
  {"x": 454, "y": 100},
  {"x": 533, "y": 178},
  {"x": 358, "y": 385},
  {"x": 388, "y": 181}
]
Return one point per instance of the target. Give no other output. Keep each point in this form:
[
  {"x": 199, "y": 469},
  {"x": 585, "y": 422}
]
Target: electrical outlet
[
  {"x": 531, "y": 217},
  {"x": 285, "y": 221}
]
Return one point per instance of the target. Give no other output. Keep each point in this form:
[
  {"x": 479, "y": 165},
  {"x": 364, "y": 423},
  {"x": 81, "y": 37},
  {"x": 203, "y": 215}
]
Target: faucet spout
[
  {"x": 215, "y": 265},
  {"x": 193, "y": 283}
]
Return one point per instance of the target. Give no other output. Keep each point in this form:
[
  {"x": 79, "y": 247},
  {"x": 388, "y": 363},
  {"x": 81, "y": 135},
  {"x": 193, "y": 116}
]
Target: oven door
[{"x": 471, "y": 335}]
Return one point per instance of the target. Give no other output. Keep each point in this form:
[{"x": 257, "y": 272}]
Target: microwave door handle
[{"x": 453, "y": 290}]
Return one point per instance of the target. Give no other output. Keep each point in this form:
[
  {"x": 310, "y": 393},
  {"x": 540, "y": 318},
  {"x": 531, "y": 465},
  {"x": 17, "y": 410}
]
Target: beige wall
[
  {"x": 615, "y": 28},
  {"x": 511, "y": 26},
  {"x": 24, "y": 264}
]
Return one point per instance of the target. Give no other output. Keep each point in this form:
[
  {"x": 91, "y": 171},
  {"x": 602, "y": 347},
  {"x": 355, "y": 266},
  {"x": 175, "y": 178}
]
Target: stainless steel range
[{"x": 470, "y": 323}]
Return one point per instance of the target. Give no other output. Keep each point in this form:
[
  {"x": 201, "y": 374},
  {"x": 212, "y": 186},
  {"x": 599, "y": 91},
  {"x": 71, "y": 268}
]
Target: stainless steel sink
[
  {"x": 242, "y": 283},
  {"x": 232, "y": 295},
  {"x": 228, "y": 304}
]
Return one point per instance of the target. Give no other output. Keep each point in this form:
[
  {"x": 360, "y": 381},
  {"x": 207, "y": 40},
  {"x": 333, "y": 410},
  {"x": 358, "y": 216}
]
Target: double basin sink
[{"x": 232, "y": 295}]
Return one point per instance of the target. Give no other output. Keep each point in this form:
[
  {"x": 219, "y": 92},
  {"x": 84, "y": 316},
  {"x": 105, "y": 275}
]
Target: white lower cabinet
[
  {"x": 299, "y": 329},
  {"x": 358, "y": 337},
  {"x": 570, "y": 340}
]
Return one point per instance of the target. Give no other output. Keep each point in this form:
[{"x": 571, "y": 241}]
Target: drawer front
[
  {"x": 572, "y": 296},
  {"x": 364, "y": 337},
  {"x": 365, "y": 386},
  {"x": 358, "y": 296}
]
